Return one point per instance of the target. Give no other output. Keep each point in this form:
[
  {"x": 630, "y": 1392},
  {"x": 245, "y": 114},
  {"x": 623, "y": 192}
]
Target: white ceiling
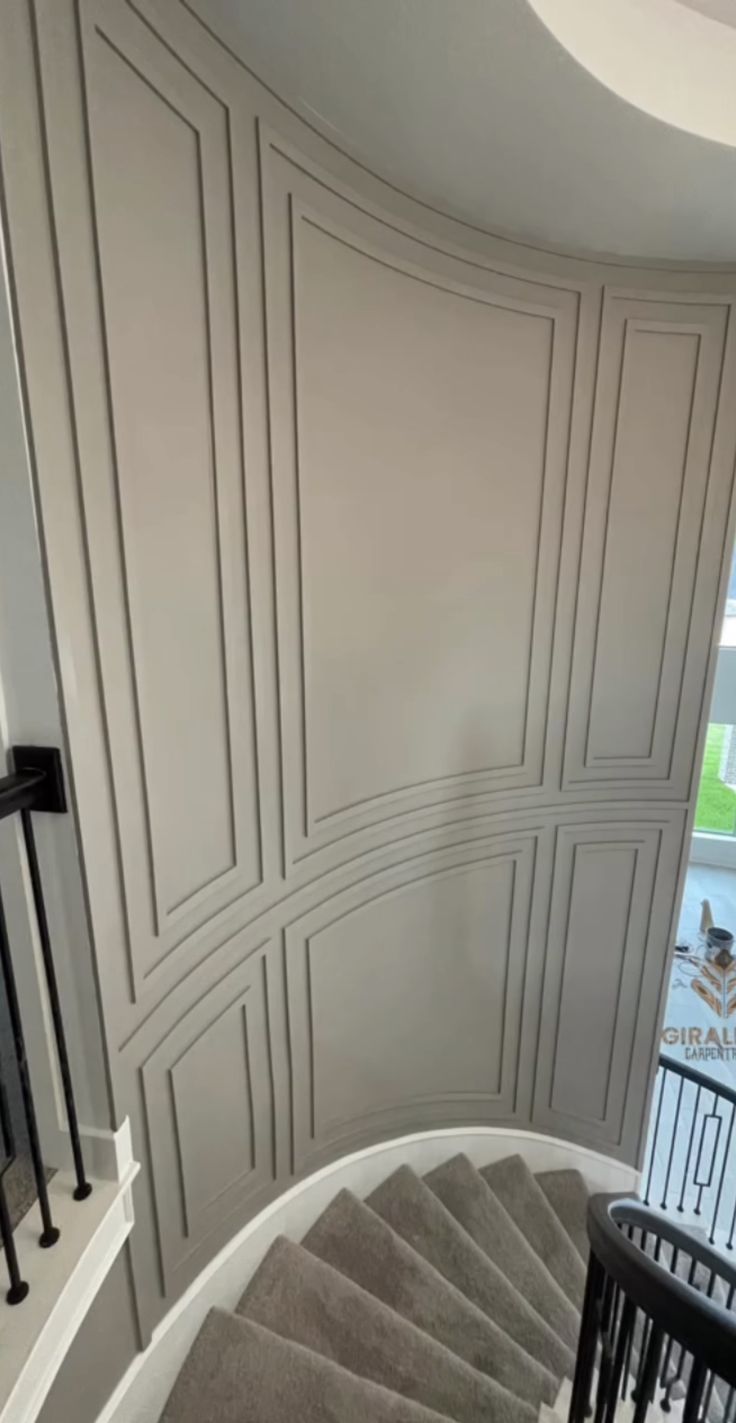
[{"x": 474, "y": 107}]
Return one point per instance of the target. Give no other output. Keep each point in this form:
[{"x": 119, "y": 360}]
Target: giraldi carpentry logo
[{"x": 714, "y": 981}]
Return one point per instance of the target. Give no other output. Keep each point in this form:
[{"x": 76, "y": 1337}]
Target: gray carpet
[
  {"x": 472, "y": 1202},
  {"x": 238, "y": 1372},
  {"x": 20, "y": 1188},
  {"x": 451, "y": 1298},
  {"x": 297, "y": 1295},
  {"x": 512, "y": 1182},
  {"x": 568, "y": 1196},
  {"x": 415, "y": 1213}
]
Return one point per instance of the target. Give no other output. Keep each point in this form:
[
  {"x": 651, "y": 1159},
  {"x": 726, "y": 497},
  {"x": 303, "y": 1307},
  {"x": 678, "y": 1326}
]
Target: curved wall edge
[
  {"x": 689, "y": 85},
  {"x": 564, "y": 20}
]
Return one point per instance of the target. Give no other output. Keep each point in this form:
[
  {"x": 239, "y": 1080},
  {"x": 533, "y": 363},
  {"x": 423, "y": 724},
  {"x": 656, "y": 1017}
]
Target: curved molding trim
[{"x": 144, "y": 1388}]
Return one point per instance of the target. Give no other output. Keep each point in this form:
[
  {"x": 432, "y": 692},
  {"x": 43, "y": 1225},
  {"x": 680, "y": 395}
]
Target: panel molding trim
[
  {"x": 187, "y": 849},
  {"x": 640, "y": 643},
  {"x": 301, "y": 214},
  {"x": 607, "y": 950},
  {"x": 222, "y": 1045},
  {"x": 392, "y": 951}
]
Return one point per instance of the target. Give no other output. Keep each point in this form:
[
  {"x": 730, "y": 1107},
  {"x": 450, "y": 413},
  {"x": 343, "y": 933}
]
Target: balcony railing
[
  {"x": 690, "y": 1163},
  {"x": 36, "y": 785},
  {"x": 657, "y": 1320}
]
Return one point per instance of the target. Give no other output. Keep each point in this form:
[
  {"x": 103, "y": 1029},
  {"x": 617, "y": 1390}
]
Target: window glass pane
[
  {"x": 716, "y": 808},
  {"x": 728, "y": 630}
]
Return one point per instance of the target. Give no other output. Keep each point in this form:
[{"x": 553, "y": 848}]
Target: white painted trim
[
  {"x": 717, "y": 850},
  {"x": 142, "y": 1392},
  {"x": 63, "y": 1282},
  {"x": 107, "y": 1153}
]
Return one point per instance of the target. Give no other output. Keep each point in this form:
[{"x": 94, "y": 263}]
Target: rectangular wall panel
[
  {"x": 165, "y": 506},
  {"x": 406, "y": 1000},
  {"x": 210, "y": 1103},
  {"x": 606, "y": 953},
  {"x": 416, "y": 575},
  {"x": 640, "y": 643}
]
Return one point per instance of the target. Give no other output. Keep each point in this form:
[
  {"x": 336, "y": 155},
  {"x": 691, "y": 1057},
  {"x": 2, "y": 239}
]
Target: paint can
[{"x": 719, "y": 945}]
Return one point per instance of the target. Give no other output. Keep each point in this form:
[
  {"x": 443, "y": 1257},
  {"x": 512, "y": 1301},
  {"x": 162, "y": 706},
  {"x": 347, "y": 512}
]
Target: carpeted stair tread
[
  {"x": 238, "y": 1372},
  {"x": 514, "y": 1185},
  {"x": 567, "y": 1194},
  {"x": 416, "y": 1214},
  {"x": 468, "y": 1197},
  {"x": 300, "y": 1297},
  {"x": 356, "y": 1241}
]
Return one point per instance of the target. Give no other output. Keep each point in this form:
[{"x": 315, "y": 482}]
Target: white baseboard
[
  {"x": 142, "y": 1392},
  {"x": 35, "y": 1336}
]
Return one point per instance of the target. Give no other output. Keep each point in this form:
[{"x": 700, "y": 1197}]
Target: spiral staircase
[
  {"x": 453, "y": 1296},
  {"x": 473, "y": 1295}
]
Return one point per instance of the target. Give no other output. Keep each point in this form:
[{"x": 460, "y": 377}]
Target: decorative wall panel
[
  {"x": 606, "y": 950},
  {"x": 406, "y": 998},
  {"x": 166, "y": 515},
  {"x": 656, "y": 399},
  {"x": 409, "y": 568},
  {"x": 383, "y": 610},
  {"x": 210, "y": 1105}
]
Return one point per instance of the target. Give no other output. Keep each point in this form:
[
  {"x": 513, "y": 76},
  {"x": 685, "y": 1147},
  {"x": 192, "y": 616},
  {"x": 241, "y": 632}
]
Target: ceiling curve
[
  {"x": 676, "y": 61},
  {"x": 477, "y": 108}
]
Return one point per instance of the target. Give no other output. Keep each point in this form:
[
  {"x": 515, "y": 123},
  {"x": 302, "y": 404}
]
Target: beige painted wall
[{"x": 385, "y": 558}]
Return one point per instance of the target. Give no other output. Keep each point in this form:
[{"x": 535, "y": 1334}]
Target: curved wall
[{"x": 384, "y": 559}]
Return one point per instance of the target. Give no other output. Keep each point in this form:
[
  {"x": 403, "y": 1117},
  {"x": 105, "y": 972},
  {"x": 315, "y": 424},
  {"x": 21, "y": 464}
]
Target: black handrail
[
  {"x": 700, "y": 1079},
  {"x": 656, "y": 1315},
  {"x": 689, "y": 1317},
  {"x": 35, "y": 784}
]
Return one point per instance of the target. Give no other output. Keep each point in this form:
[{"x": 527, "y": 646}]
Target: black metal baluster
[
  {"x": 681, "y": 1205},
  {"x": 630, "y": 1342},
  {"x": 83, "y": 1187},
  {"x": 585, "y": 1362},
  {"x": 627, "y": 1358},
  {"x": 724, "y": 1166},
  {"x": 706, "y": 1185},
  {"x": 670, "y": 1342},
  {"x": 694, "y": 1391},
  {"x": 729, "y": 1242},
  {"x": 710, "y": 1377},
  {"x": 708, "y": 1394},
  {"x": 666, "y": 1404},
  {"x": 645, "y": 1333},
  {"x": 655, "y": 1135},
  {"x": 18, "y": 1288},
  {"x": 49, "y": 1234},
  {"x": 623, "y": 1345},
  {"x": 677, "y": 1376},
  {"x": 665, "y": 1188},
  {"x": 648, "y": 1374},
  {"x": 666, "y": 1361},
  {"x": 606, "y": 1355}
]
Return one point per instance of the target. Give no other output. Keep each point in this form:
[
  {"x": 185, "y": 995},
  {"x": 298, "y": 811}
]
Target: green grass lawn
[{"x": 716, "y": 809}]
